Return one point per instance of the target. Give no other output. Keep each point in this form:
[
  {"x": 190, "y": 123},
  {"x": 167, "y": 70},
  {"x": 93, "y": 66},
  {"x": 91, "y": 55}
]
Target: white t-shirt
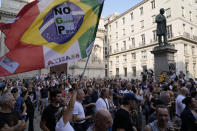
[
  {"x": 179, "y": 105},
  {"x": 101, "y": 104},
  {"x": 79, "y": 111},
  {"x": 61, "y": 126}
]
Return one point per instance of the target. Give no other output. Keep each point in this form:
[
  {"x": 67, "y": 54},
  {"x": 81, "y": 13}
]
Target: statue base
[{"x": 163, "y": 59}]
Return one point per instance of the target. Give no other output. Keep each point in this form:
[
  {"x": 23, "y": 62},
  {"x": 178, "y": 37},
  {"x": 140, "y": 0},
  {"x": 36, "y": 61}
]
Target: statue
[{"x": 161, "y": 27}]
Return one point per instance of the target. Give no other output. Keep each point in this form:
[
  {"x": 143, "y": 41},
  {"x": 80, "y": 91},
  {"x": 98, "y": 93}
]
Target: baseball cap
[{"x": 131, "y": 96}]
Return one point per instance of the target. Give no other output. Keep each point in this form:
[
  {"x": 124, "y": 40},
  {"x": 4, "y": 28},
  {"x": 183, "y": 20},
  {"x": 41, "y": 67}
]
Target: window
[
  {"x": 187, "y": 67},
  {"x": 141, "y": 11},
  {"x": 191, "y": 29},
  {"x": 106, "y": 52},
  {"x": 131, "y": 16},
  {"x": 133, "y": 55},
  {"x": 153, "y": 4},
  {"x": 185, "y": 48},
  {"x": 144, "y": 68},
  {"x": 116, "y": 35},
  {"x": 144, "y": 55},
  {"x": 125, "y": 72},
  {"x": 153, "y": 19},
  {"x": 123, "y": 31},
  {"x": 123, "y": 20},
  {"x": 125, "y": 58},
  {"x": 106, "y": 72},
  {"x": 132, "y": 28},
  {"x": 124, "y": 45},
  {"x": 109, "y": 27},
  {"x": 134, "y": 71},
  {"x": 194, "y": 68},
  {"x": 183, "y": 11},
  {"x": 117, "y": 59},
  {"x": 154, "y": 35},
  {"x": 195, "y": 1},
  {"x": 116, "y": 46},
  {"x": 183, "y": 27},
  {"x": 116, "y": 24},
  {"x": 133, "y": 42},
  {"x": 143, "y": 39},
  {"x": 193, "y": 50},
  {"x": 190, "y": 16},
  {"x": 168, "y": 13},
  {"x": 105, "y": 39},
  {"x": 117, "y": 72},
  {"x": 142, "y": 24},
  {"x": 169, "y": 31}
]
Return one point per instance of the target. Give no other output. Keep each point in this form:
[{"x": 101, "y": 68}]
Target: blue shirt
[{"x": 18, "y": 105}]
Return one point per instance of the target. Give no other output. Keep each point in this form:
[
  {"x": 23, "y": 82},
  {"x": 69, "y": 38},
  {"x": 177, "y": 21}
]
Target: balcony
[
  {"x": 194, "y": 37},
  {"x": 123, "y": 49},
  {"x": 141, "y": 44},
  {"x": 130, "y": 47},
  {"x": 116, "y": 51},
  {"x": 186, "y": 34}
]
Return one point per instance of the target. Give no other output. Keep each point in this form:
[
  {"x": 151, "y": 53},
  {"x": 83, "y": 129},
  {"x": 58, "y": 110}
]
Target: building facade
[
  {"x": 132, "y": 35},
  {"x": 97, "y": 64}
]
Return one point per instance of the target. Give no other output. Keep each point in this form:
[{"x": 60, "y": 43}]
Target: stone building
[{"x": 132, "y": 35}]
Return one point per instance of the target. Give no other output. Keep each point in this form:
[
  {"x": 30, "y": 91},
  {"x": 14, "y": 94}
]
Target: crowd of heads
[{"x": 155, "y": 100}]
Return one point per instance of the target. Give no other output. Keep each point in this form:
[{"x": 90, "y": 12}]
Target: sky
[{"x": 119, "y": 6}]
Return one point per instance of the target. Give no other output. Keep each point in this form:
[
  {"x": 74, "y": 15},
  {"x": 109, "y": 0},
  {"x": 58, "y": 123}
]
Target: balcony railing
[
  {"x": 186, "y": 34},
  {"x": 189, "y": 36},
  {"x": 194, "y": 37},
  {"x": 123, "y": 49}
]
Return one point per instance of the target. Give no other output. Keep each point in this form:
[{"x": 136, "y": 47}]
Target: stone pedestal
[{"x": 163, "y": 59}]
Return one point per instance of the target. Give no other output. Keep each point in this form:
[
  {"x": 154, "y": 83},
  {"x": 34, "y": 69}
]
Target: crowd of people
[{"x": 69, "y": 103}]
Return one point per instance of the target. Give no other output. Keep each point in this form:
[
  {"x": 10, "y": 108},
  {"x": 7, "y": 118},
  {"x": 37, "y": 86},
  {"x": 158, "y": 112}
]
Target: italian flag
[{"x": 46, "y": 33}]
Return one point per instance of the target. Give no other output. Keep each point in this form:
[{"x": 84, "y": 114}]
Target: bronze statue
[{"x": 161, "y": 27}]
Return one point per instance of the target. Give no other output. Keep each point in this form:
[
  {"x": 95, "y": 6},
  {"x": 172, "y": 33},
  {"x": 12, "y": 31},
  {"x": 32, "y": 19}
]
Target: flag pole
[{"x": 81, "y": 76}]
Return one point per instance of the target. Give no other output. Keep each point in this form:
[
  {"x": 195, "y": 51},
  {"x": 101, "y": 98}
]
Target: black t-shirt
[
  {"x": 49, "y": 116},
  {"x": 9, "y": 118},
  {"x": 88, "y": 110},
  {"x": 115, "y": 99},
  {"x": 30, "y": 102},
  {"x": 44, "y": 92},
  {"x": 94, "y": 96},
  {"x": 122, "y": 120}
]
